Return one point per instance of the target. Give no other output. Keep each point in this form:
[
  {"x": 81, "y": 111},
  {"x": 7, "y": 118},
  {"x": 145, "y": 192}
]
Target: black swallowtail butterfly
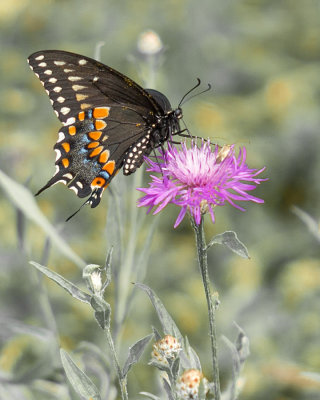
[{"x": 108, "y": 120}]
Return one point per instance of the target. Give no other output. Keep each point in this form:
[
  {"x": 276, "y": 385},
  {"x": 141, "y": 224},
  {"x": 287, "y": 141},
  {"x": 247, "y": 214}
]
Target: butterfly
[{"x": 109, "y": 121}]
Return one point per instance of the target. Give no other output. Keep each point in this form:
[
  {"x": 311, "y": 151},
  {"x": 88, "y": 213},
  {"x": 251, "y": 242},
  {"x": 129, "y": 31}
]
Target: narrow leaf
[
  {"x": 175, "y": 368},
  {"x": 81, "y": 383},
  {"x": 189, "y": 358},
  {"x": 230, "y": 240},
  {"x": 150, "y": 395},
  {"x": 167, "y": 388},
  {"x": 22, "y": 198},
  {"x": 135, "y": 352},
  {"x": 102, "y": 311},
  {"x": 156, "y": 334},
  {"x": 236, "y": 366},
  {"x": 168, "y": 325},
  {"x": 242, "y": 344},
  {"x": 308, "y": 220},
  {"x": 64, "y": 283},
  {"x": 108, "y": 269}
]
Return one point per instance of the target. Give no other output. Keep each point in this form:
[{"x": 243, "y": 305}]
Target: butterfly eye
[{"x": 178, "y": 113}]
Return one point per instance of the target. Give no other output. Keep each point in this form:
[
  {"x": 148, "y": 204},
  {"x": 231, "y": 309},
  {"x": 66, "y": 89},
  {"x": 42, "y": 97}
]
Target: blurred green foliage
[{"x": 262, "y": 58}]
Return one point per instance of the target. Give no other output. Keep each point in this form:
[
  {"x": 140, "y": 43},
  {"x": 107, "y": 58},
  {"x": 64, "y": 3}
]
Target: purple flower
[{"x": 199, "y": 179}]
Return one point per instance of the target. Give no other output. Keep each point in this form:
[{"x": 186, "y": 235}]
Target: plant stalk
[
  {"x": 203, "y": 265},
  {"x": 122, "y": 379}
]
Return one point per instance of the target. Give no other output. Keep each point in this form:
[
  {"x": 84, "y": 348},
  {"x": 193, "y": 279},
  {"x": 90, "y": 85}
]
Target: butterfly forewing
[{"x": 75, "y": 83}]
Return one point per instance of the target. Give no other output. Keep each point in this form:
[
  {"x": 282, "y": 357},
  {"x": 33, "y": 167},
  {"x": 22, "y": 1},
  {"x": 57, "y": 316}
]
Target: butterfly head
[{"x": 178, "y": 113}]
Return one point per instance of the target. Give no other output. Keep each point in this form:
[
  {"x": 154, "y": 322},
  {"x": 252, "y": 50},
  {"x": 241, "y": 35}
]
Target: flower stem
[
  {"x": 203, "y": 265},
  {"x": 122, "y": 379}
]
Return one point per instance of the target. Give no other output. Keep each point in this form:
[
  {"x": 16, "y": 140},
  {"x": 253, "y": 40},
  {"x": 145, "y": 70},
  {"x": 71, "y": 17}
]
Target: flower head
[
  {"x": 188, "y": 384},
  {"x": 166, "y": 348},
  {"x": 197, "y": 179}
]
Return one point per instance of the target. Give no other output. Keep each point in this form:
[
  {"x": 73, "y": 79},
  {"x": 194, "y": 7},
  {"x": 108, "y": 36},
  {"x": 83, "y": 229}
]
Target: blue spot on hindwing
[{"x": 104, "y": 175}]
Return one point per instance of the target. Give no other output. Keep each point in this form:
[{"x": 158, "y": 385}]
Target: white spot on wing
[
  {"x": 59, "y": 62},
  {"x": 61, "y": 100},
  {"x": 41, "y": 57},
  {"x": 52, "y": 80},
  {"x": 68, "y": 175},
  {"x": 48, "y": 72},
  {"x": 80, "y": 184},
  {"x": 61, "y": 137},
  {"x": 66, "y": 70},
  {"x": 78, "y": 87},
  {"x": 57, "y": 89},
  {"x": 43, "y": 64},
  {"x": 70, "y": 121},
  {"x": 58, "y": 154},
  {"x": 74, "y": 78},
  {"x": 82, "y": 62},
  {"x": 74, "y": 189},
  {"x": 65, "y": 110},
  {"x": 56, "y": 112}
]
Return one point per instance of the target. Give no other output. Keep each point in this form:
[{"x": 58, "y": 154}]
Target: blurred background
[{"x": 262, "y": 59}]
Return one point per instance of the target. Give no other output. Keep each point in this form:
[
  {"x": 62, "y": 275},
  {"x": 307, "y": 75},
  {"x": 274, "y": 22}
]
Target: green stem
[
  {"x": 122, "y": 379},
  {"x": 203, "y": 265}
]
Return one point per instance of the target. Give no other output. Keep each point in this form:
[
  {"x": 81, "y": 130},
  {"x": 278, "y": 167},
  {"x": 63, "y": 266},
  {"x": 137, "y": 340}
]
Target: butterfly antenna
[
  {"x": 68, "y": 219},
  {"x": 196, "y": 94},
  {"x": 189, "y": 91}
]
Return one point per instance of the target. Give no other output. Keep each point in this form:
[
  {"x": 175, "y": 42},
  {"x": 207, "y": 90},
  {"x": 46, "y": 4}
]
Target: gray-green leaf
[
  {"x": 167, "y": 388},
  {"x": 230, "y": 240},
  {"x": 168, "y": 325},
  {"x": 64, "y": 283},
  {"x": 150, "y": 395},
  {"x": 308, "y": 220},
  {"x": 102, "y": 311},
  {"x": 135, "y": 352},
  {"x": 189, "y": 358},
  {"x": 81, "y": 383},
  {"x": 24, "y": 200}
]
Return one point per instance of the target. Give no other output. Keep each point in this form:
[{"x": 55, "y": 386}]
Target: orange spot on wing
[
  {"x": 65, "y": 162},
  {"x": 100, "y": 124},
  {"x": 81, "y": 116},
  {"x": 94, "y": 135},
  {"x": 66, "y": 147},
  {"x": 103, "y": 158},
  {"x": 72, "y": 130},
  {"x": 98, "y": 181},
  {"x": 96, "y": 151},
  {"x": 92, "y": 145},
  {"x": 109, "y": 167},
  {"x": 100, "y": 112}
]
